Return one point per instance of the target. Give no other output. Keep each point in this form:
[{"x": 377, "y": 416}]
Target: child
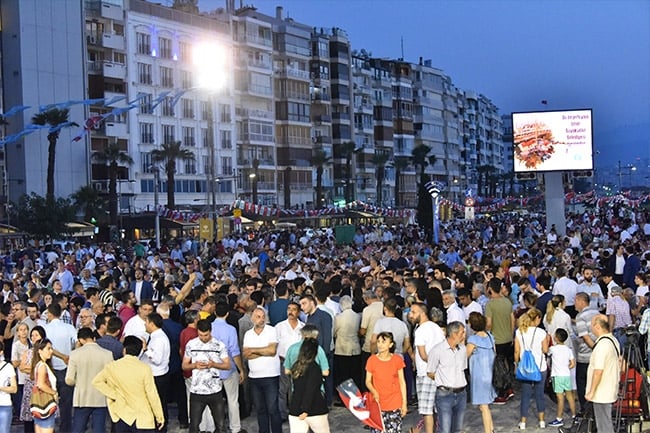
[
  {"x": 563, "y": 362},
  {"x": 385, "y": 380}
]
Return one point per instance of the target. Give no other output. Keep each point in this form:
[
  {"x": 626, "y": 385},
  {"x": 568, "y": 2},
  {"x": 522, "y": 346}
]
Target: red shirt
[
  {"x": 187, "y": 334},
  {"x": 386, "y": 380}
]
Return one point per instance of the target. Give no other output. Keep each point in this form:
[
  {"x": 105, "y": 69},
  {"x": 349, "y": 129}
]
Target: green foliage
[
  {"x": 42, "y": 219},
  {"x": 90, "y": 202}
]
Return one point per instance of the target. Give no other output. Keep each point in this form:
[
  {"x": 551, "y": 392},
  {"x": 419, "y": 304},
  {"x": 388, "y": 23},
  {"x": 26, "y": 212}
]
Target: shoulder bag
[{"x": 42, "y": 405}]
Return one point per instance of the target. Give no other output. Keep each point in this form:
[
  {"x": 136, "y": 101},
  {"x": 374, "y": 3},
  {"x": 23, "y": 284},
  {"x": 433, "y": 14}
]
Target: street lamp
[
  {"x": 435, "y": 188},
  {"x": 630, "y": 168},
  {"x": 156, "y": 188}
]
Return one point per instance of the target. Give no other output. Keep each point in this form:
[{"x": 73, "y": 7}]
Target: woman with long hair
[
  {"x": 307, "y": 408},
  {"x": 44, "y": 380},
  {"x": 481, "y": 352},
  {"x": 18, "y": 349},
  {"x": 530, "y": 337},
  {"x": 385, "y": 380},
  {"x": 556, "y": 318},
  {"x": 37, "y": 334}
]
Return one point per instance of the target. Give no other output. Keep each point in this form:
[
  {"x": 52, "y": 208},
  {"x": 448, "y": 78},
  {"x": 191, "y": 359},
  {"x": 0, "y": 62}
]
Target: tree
[
  {"x": 112, "y": 155},
  {"x": 88, "y": 199},
  {"x": 421, "y": 159},
  {"x": 346, "y": 150},
  {"x": 400, "y": 163},
  {"x": 169, "y": 154},
  {"x": 41, "y": 218},
  {"x": 483, "y": 172},
  {"x": 55, "y": 118},
  {"x": 379, "y": 159},
  {"x": 319, "y": 160}
]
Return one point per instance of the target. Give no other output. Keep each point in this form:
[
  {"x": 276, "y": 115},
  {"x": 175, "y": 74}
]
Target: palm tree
[
  {"x": 483, "y": 171},
  {"x": 54, "y": 118},
  {"x": 346, "y": 150},
  {"x": 419, "y": 156},
  {"x": 88, "y": 199},
  {"x": 379, "y": 159},
  {"x": 400, "y": 163},
  {"x": 319, "y": 160},
  {"x": 112, "y": 155},
  {"x": 169, "y": 153}
]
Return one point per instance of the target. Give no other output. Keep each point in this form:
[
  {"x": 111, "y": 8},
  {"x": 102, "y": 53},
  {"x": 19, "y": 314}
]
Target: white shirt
[
  {"x": 428, "y": 334},
  {"x": 6, "y": 373},
  {"x": 135, "y": 326},
  {"x": 567, "y": 287},
  {"x": 287, "y": 335},
  {"x": 157, "y": 353},
  {"x": 262, "y": 366},
  {"x": 473, "y": 307},
  {"x": 455, "y": 314},
  {"x": 620, "y": 264}
]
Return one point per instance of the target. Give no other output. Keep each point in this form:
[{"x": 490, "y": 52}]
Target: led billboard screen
[{"x": 552, "y": 140}]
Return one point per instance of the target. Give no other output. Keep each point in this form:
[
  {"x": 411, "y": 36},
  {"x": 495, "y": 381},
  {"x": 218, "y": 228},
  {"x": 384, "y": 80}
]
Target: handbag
[
  {"x": 527, "y": 369},
  {"x": 42, "y": 405}
]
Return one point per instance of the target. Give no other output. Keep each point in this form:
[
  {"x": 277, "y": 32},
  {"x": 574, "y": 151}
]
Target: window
[
  {"x": 185, "y": 52},
  {"x": 206, "y": 164},
  {"x": 190, "y": 166},
  {"x": 169, "y": 135},
  {"x": 226, "y": 165},
  {"x": 167, "y": 106},
  {"x": 143, "y": 42},
  {"x": 188, "y": 108},
  {"x": 188, "y": 136},
  {"x": 145, "y": 104},
  {"x": 145, "y": 157},
  {"x": 226, "y": 139},
  {"x": 144, "y": 73},
  {"x": 166, "y": 77},
  {"x": 186, "y": 79},
  {"x": 146, "y": 133},
  {"x": 165, "y": 47},
  {"x": 252, "y": 130},
  {"x": 205, "y": 137},
  {"x": 224, "y": 115},
  {"x": 205, "y": 110}
]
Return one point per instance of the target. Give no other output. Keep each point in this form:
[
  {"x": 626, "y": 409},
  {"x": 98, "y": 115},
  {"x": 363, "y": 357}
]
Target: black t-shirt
[{"x": 307, "y": 394}]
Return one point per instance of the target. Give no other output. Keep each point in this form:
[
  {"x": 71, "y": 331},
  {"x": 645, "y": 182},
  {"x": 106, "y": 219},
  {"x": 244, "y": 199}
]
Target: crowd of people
[{"x": 270, "y": 322}]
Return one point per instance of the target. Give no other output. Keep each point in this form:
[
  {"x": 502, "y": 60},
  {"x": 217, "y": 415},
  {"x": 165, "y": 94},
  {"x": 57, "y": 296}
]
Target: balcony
[
  {"x": 114, "y": 70},
  {"x": 252, "y": 63},
  {"x": 115, "y": 42},
  {"x": 111, "y": 95},
  {"x": 323, "y": 139},
  {"x": 114, "y": 129},
  {"x": 323, "y": 119},
  {"x": 253, "y": 38},
  {"x": 293, "y": 73},
  {"x": 248, "y": 112}
]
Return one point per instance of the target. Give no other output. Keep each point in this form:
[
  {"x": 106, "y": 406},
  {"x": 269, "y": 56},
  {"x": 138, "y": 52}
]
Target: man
[
  {"x": 454, "y": 313},
  {"x": 156, "y": 353},
  {"x": 278, "y": 308},
  {"x": 260, "y": 349},
  {"x": 127, "y": 309},
  {"x": 616, "y": 264},
  {"x": 136, "y": 324},
  {"x": 469, "y": 305},
  {"x": 584, "y": 341},
  {"x": 591, "y": 288},
  {"x": 427, "y": 334},
  {"x": 140, "y": 287},
  {"x": 63, "y": 275},
  {"x": 19, "y": 308},
  {"x": 288, "y": 334},
  {"x": 110, "y": 340},
  {"x": 501, "y": 322},
  {"x": 323, "y": 321},
  {"x": 240, "y": 254},
  {"x": 33, "y": 313},
  {"x": 83, "y": 365},
  {"x": 603, "y": 374},
  {"x": 390, "y": 323},
  {"x": 631, "y": 268},
  {"x": 129, "y": 387},
  {"x": 373, "y": 311},
  {"x": 172, "y": 330},
  {"x": 87, "y": 279},
  {"x": 86, "y": 319},
  {"x": 617, "y": 311},
  {"x": 543, "y": 286},
  {"x": 446, "y": 365},
  {"x": 566, "y": 287},
  {"x": 63, "y": 337},
  {"x": 232, "y": 378},
  {"x": 206, "y": 356}
]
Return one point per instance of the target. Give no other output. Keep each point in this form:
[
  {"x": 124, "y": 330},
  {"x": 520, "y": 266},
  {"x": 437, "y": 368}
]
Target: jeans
[
  {"x": 329, "y": 380},
  {"x": 65, "y": 400},
  {"x": 506, "y": 350},
  {"x": 81, "y": 416},
  {"x": 215, "y": 402},
  {"x": 581, "y": 383},
  {"x": 265, "y": 392},
  {"x": 5, "y": 418},
  {"x": 528, "y": 389},
  {"x": 603, "y": 416},
  {"x": 451, "y": 410}
]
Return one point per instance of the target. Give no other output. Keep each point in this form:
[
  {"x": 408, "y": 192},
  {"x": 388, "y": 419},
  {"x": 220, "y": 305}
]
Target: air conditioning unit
[{"x": 99, "y": 186}]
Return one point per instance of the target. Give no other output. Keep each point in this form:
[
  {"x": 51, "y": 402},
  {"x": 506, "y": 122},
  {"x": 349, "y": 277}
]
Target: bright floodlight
[{"x": 209, "y": 60}]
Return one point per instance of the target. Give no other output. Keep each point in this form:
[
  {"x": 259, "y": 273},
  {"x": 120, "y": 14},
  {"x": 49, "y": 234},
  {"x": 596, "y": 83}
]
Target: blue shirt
[
  {"x": 111, "y": 343},
  {"x": 278, "y": 311},
  {"x": 63, "y": 338},
  {"x": 323, "y": 321},
  {"x": 173, "y": 331},
  {"x": 227, "y": 334}
]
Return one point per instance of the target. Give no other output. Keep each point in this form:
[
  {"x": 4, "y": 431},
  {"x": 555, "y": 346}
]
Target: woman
[
  {"x": 385, "y": 381},
  {"x": 557, "y": 318},
  {"x": 530, "y": 337},
  {"x": 481, "y": 353},
  {"x": 44, "y": 380},
  {"x": 18, "y": 349},
  {"x": 347, "y": 348},
  {"x": 7, "y": 387},
  {"x": 36, "y": 335},
  {"x": 308, "y": 408}
]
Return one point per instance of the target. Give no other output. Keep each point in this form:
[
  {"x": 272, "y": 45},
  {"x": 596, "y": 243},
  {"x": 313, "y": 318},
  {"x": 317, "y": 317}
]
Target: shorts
[
  {"x": 426, "y": 390},
  {"x": 46, "y": 423},
  {"x": 561, "y": 384}
]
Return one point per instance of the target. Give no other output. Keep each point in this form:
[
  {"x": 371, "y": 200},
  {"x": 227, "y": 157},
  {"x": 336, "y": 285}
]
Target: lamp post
[
  {"x": 435, "y": 188},
  {"x": 253, "y": 177},
  {"x": 630, "y": 168},
  {"x": 156, "y": 187},
  {"x": 119, "y": 201}
]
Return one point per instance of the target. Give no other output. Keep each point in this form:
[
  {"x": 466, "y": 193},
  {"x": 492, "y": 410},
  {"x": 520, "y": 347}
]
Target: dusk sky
[{"x": 575, "y": 54}]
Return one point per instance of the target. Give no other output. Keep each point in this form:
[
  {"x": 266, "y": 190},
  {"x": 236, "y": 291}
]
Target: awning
[{"x": 77, "y": 229}]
